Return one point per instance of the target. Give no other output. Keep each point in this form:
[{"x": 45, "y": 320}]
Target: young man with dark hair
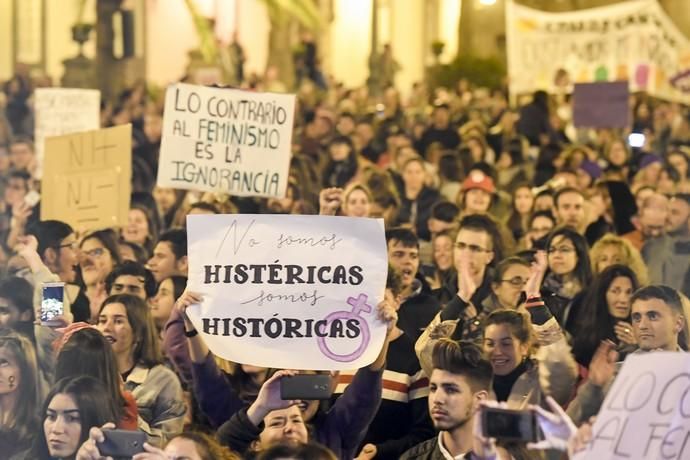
[
  {"x": 658, "y": 318},
  {"x": 22, "y": 154},
  {"x": 417, "y": 307},
  {"x": 569, "y": 208},
  {"x": 131, "y": 278},
  {"x": 169, "y": 255},
  {"x": 460, "y": 381}
]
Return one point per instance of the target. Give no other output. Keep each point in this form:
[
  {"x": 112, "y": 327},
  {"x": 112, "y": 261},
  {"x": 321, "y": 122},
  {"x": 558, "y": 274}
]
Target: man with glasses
[{"x": 477, "y": 245}]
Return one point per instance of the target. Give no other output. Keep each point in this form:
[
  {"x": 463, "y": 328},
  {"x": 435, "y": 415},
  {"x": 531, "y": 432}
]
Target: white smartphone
[
  {"x": 52, "y": 302},
  {"x": 32, "y": 198}
]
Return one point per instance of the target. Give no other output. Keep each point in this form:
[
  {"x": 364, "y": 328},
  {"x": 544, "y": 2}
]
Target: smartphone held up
[
  {"x": 509, "y": 425},
  {"x": 52, "y": 303}
]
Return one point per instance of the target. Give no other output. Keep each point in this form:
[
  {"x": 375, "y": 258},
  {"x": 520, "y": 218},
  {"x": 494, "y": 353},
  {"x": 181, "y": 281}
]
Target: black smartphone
[
  {"x": 509, "y": 425},
  {"x": 306, "y": 387},
  {"x": 121, "y": 443},
  {"x": 52, "y": 302}
]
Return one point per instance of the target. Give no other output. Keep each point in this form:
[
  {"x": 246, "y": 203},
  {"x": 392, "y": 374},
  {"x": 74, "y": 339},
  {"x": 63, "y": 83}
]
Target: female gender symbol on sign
[{"x": 359, "y": 305}]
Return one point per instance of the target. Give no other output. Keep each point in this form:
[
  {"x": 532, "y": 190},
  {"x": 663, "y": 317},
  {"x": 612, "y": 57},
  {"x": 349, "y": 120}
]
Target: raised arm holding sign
[{"x": 295, "y": 292}]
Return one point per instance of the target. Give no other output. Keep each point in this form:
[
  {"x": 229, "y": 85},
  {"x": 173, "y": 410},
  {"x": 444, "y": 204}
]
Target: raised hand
[
  {"x": 557, "y": 427},
  {"x": 603, "y": 365},
  {"x": 537, "y": 271},
  {"x": 330, "y": 199},
  {"x": 624, "y": 333},
  {"x": 269, "y": 398}
]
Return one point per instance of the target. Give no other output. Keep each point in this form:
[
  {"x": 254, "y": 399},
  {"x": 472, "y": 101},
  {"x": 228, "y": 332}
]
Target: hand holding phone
[
  {"x": 508, "y": 424},
  {"x": 52, "y": 302},
  {"x": 305, "y": 387},
  {"x": 121, "y": 443}
]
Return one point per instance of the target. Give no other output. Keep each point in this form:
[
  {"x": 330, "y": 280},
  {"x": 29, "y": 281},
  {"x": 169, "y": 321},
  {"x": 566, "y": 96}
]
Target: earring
[{"x": 11, "y": 381}]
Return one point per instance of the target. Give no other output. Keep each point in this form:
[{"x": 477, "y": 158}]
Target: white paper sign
[
  {"x": 226, "y": 140},
  {"x": 60, "y": 111},
  {"x": 297, "y": 292},
  {"x": 646, "y": 413}
]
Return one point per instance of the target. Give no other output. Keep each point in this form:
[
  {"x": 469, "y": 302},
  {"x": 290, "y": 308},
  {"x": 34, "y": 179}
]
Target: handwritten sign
[
  {"x": 296, "y": 292},
  {"x": 226, "y": 140},
  {"x": 63, "y": 111},
  {"x": 87, "y": 181},
  {"x": 646, "y": 414}
]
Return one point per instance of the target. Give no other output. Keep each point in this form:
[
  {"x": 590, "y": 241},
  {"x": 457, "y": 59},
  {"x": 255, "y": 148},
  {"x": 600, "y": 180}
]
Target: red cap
[{"x": 478, "y": 179}]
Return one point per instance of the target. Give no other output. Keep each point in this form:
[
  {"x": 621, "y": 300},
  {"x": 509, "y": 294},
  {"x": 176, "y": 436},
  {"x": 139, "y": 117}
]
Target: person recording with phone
[{"x": 270, "y": 419}]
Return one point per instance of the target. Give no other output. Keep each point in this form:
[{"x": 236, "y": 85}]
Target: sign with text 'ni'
[
  {"x": 646, "y": 413},
  {"x": 63, "y": 111},
  {"x": 226, "y": 140},
  {"x": 281, "y": 291},
  {"x": 87, "y": 178}
]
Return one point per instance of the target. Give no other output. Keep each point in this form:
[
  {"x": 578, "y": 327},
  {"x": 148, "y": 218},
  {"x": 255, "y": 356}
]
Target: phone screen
[
  {"x": 636, "y": 140},
  {"x": 52, "y": 304},
  {"x": 509, "y": 424}
]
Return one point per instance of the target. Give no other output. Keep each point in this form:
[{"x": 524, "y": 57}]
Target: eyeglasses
[
  {"x": 95, "y": 252},
  {"x": 561, "y": 250},
  {"x": 516, "y": 281},
  {"x": 473, "y": 248}
]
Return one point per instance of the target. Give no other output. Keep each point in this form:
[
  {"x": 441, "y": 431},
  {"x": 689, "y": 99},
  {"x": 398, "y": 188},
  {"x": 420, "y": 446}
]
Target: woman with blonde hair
[{"x": 612, "y": 249}]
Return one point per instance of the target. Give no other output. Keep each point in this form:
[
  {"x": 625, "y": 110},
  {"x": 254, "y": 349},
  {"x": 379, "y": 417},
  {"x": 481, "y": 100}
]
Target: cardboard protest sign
[
  {"x": 646, "y": 413},
  {"x": 87, "y": 180},
  {"x": 226, "y": 140},
  {"x": 601, "y": 105},
  {"x": 284, "y": 291},
  {"x": 61, "y": 111}
]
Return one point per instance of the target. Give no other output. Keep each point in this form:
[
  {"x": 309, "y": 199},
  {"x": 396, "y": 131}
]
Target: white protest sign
[
  {"x": 61, "y": 111},
  {"x": 646, "y": 413},
  {"x": 633, "y": 41},
  {"x": 226, "y": 140},
  {"x": 283, "y": 291}
]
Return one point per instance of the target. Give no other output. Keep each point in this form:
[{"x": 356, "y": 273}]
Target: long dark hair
[
  {"x": 87, "y": 352},
  {"x": 21, "y": 421},
  {"x": 88, "y": 394},
  {"x": 146, "y": 351},
  {"x": 594, "y": 322},
  {"x": 583, "y": 267}
]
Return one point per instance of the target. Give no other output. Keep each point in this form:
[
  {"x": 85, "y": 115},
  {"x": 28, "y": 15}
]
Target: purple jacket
[
  {"x": 214, "y": 393},
  {"x": 341, "y": 429}
]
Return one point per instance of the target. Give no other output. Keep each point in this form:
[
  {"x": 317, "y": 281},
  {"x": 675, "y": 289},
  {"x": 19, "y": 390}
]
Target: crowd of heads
[{"x": 473, "y": 191}]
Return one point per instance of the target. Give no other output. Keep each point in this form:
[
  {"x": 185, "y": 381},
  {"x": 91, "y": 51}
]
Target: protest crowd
[{"x": 527, "y": 259}]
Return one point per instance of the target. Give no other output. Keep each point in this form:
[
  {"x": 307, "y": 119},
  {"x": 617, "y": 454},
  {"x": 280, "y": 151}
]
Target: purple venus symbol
[{"x": 358, "y": 305}]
